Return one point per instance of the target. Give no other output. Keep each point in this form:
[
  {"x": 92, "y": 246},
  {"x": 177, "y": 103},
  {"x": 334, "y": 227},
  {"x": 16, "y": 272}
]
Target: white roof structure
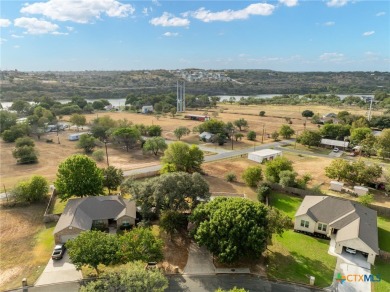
[
  {"x": 206, "y": 135},
  {"x": 337, "y": 143},
  {"x": 333, "y": 182},
  {"x": 266, "y": 152}
]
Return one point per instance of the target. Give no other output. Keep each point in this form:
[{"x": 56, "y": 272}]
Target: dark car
[{"x": 58, "y": 252}]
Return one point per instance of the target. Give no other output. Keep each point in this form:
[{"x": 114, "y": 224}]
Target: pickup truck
[{"x": 58, "y": 252}]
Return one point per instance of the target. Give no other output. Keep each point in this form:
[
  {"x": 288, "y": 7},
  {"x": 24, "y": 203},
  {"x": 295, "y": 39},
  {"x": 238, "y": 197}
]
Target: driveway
[
  {"x": 58, "y": 272},
  {"x": 200, "y": 261}
]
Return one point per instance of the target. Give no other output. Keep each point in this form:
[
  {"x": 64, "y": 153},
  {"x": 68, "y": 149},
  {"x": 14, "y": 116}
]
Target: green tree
[
  {"x": 212, "y": 126},
  {"x": 366, "y": 200},
  {"x": 232, "y": 99},
  {"x": 130, "y": 277},
  {"x": 173, "y": 111},
  {"x": 93, "y": 248},
  {"x": 87, "y": 142},
  {"x": 173, "y": 222},
  {"x": 383, "y": 143},
  {"x": 307, "y": 113},
  {"x": 234, "y": 289},
  {"x": 101, "y": 126},
  {"x": 181, "y": 131},
  {"x": 275, "y": 136},
  {"x": 335, "y": 131},
  {"x": 252, "y": 176},
  {"x": 15, "y": 132},
  {"x": 286, "y": 131},
  {"x": 113, "y": 177},
  {"x": 232, "y": 228},
  {"x": 140, "y": 244},
  {"x": 155, "y": 144},
  {"x": 262, "y": 113},
  {"x": 368, "y": 144},
  {"x": 78, "y": 176},
  {"x": 310, "y": 138},
  {"x": 33, "y": 190},
  {"x": 181, "y": 157},
  {"x": 251, "y": 135},
  {"x": 24, "y": 141},
  {"x": 337, "y": 169},
  {"x": 128, "y": 136},
  {"x": 177, "y": 191},
  {"x": 78, "y": 120},
  {"x": 20, "y": 106},
  {"x": 359, "y": 134},
  {"x": 238, "y": 136},
  {"x": 241, "y": 123},
  {"x": 154, "y": 131},
  {"x": 275, "y": 166},
  {"x": 7, "y": 119},
  {"x": 263, "y": 191},
  {"x": 25, "y": 154},
  {"x": 98, "y": 105},
  {"x": 287, "y": 178},
  {"x": 98, "y": 155}
]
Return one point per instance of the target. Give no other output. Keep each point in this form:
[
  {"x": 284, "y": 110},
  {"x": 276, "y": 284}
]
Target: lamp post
[{"x": 105, "y": 144}]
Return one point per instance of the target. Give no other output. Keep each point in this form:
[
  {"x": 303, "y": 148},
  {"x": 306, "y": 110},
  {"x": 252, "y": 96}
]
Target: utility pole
[
  {"x": 232, "y": 132},
  {"x": 105, "y": 144},
  {"x": 262, "y": 136},
  {"x": 369, "y": 112}
]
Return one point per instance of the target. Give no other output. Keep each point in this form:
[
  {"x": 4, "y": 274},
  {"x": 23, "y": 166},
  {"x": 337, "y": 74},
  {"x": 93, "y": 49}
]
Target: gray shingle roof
[
  {"x": 80, "y": 213},
  {"x": 350, "y": 218}
]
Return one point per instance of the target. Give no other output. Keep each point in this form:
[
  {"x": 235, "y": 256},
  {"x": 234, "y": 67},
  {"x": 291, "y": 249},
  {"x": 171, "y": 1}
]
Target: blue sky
[{"x": 286, "y": 35}]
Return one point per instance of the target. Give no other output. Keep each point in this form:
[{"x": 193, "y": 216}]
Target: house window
[
  {"x": 305, "y": 223},
  {"x": 322, "y": 227}
]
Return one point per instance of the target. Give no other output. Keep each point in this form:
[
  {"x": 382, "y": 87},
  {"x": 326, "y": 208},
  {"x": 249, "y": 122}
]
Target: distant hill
[{"x": 118, "y": 84}]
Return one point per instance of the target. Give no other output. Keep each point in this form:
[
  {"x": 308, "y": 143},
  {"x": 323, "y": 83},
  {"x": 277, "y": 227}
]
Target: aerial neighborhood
[{"x": 139, "y": 191}]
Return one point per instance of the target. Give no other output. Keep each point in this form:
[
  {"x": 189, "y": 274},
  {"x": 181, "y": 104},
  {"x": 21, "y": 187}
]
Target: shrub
[
  {"x": 263, "y": 191},
  {"x": 366, "y": 199},
  {"x": 251, "y": 135},
  {"x": 24, "y": 141},
  {"x": 25, "y": 154},
  {"x": 262, "y": 113},
  {"x": 231, "y": 177},
  {"x": 252, "y": 176},
  {"x": 98, "y": 155},
  {"x": 33, "y": 190}
]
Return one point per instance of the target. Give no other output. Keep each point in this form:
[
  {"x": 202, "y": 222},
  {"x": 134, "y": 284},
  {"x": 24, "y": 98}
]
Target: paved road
[
  {"x": 199, "y": 261},
  {"x": 206, "y": 283}
]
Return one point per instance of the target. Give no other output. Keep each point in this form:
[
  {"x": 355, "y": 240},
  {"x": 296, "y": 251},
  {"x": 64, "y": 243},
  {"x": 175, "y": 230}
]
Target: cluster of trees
[
  {"x": 30, "y": 191},
  {"x": 25, "y": 151},
  {"x": 94, "y": 248},
  {"x": 234, "y": 228},
  {"x": 79, "y": 176},
  {"x": 356, "y": 172}
]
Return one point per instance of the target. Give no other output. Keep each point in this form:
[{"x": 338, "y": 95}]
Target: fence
[{"x": 48, "y": 216}]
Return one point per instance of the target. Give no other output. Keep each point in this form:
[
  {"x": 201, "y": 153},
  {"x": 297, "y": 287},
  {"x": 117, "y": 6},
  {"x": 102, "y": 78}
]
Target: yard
[
  {"x": 26, "y": 244},
  {"x": 382, "y": 268},
  {"x": 384, "y": 233}
]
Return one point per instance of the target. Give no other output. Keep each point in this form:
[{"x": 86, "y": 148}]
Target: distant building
[
  {"x": 76, "y": 136},
  {"x": 264, "y": 155},
  {"x": 334, "y": 143},
  {"x": 201, "y": 118},
  {"x": 147, "y": 109},
  {"x": 206, "y": 136}
]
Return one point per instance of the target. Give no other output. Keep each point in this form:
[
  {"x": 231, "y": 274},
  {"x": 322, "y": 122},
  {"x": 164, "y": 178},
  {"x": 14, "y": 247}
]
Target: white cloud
[
  {"x": 381, "y": 13},
  {"x": 336, "y": 3},
  {"x": 329, "y": 23},
  {"x": 168, "y": 19},
  {"x": 289, "y": 3},
  {"x": 368, "y": 33},
  {"x": 16, "y": 47},
  {"x": 59, "y": 33},
  {"x": 4, "y": 22},
  {"x": 229, "y": 15},
  {"x": 35, "y": 26},
  {"x": 170, "y": 34},
  {"x": 332, "y": 57},
  {"x": 81, "y": 11},
  {"x": 155, "y": 2},
  {"x": 2, "y": 41},
  {"x": 15, "y": 36},
  {"x": 70, "y": 28}
]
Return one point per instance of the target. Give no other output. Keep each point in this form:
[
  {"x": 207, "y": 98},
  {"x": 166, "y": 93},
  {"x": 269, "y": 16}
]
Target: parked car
[
  {"x": 58, "y": 252},
  {"x": 350, "y": 250},
  {"x": 336, "y": 149}
]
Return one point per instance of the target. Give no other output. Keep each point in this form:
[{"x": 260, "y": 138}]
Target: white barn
[{"x": 264, "y": 155}]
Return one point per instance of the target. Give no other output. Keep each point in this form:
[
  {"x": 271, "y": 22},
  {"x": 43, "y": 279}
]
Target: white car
[
  {"x": 350, "y": 250},
  {"x": 336, "y": 149}
]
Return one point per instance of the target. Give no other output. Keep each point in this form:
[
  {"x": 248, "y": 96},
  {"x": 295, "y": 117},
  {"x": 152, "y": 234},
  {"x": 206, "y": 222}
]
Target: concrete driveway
[
  {"x": 59, "y": 271},
  {"x": 200, "y": 261}
]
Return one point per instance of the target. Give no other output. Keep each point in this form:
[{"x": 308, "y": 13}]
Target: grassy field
[
  {"x": 285, "y": 203},
  {"x": 26, "y": 244},
  {"x": 383, "y": 268},
  {"x": 384, "y": 233},
  {"x": 295, "y": 257}
]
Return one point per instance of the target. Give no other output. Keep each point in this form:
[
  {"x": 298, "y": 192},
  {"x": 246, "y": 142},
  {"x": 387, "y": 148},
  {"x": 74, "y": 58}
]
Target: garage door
[{"x": 65, "y": 238}]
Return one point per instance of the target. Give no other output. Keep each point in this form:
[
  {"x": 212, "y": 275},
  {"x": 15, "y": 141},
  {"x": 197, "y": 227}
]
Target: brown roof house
[
  {"x": 348, "y": 224},
  {"x": 84, "y": 213}
]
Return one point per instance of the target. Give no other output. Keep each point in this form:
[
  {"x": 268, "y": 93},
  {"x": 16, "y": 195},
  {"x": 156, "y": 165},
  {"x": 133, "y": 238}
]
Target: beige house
[
  {"x": 350, "y": 224},
  {"x": 82, "y": 214}
]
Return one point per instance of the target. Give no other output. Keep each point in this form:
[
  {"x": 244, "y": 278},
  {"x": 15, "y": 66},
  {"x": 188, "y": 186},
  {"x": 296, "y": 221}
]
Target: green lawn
[
  {"x": 285, "y": 203},
  {"x": 295, "y": 257},
  {"x": 383, "y": 268},
  {"x": 59, "y": 206},
  {"x": 384, "y": 233}
]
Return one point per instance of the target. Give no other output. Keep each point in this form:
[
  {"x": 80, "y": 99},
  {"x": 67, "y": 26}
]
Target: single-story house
[
  {"x": 329, "y": 117},
  {"x": 335, "y": 143},
  {"x": 336, "y": 185},
  {"x": 206, "y": 136},
  {"x": 76, "y": 136},
  {"x": 82, "y": 214},
  {"x": 264, "y": 155},
  {"x": 201, "y": 118},
  {"x": 147, "y": 109},
  {"x": 348, "y": 223}
]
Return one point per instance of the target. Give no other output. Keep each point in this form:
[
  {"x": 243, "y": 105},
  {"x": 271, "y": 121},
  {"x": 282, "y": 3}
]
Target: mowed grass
[
  {"x": 295, "y": 257},
  {"x": 285, "y": 203},
  {"x": 384, "y": 233},
  {"x": 382, "y": 268},
  {"x": 59, "y": 206}
]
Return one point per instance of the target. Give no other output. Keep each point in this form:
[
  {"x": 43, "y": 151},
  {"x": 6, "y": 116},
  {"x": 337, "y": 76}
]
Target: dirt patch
[{"x": 175, "y": 252}]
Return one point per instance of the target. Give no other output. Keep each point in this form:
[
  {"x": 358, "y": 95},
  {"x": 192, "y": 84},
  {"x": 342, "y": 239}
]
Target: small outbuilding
[
  {"x": 147, "y": 109},
  {"x": 360, "y": 191},
  {"x": 206, "y": 136},
  {"x": 264, "y": 155},
  {"x": 336, "y": 186},
  {"x": 335, "y": 143},
  {"x": 200, "y": 118},
  {"x": 75, "y": 136}
]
